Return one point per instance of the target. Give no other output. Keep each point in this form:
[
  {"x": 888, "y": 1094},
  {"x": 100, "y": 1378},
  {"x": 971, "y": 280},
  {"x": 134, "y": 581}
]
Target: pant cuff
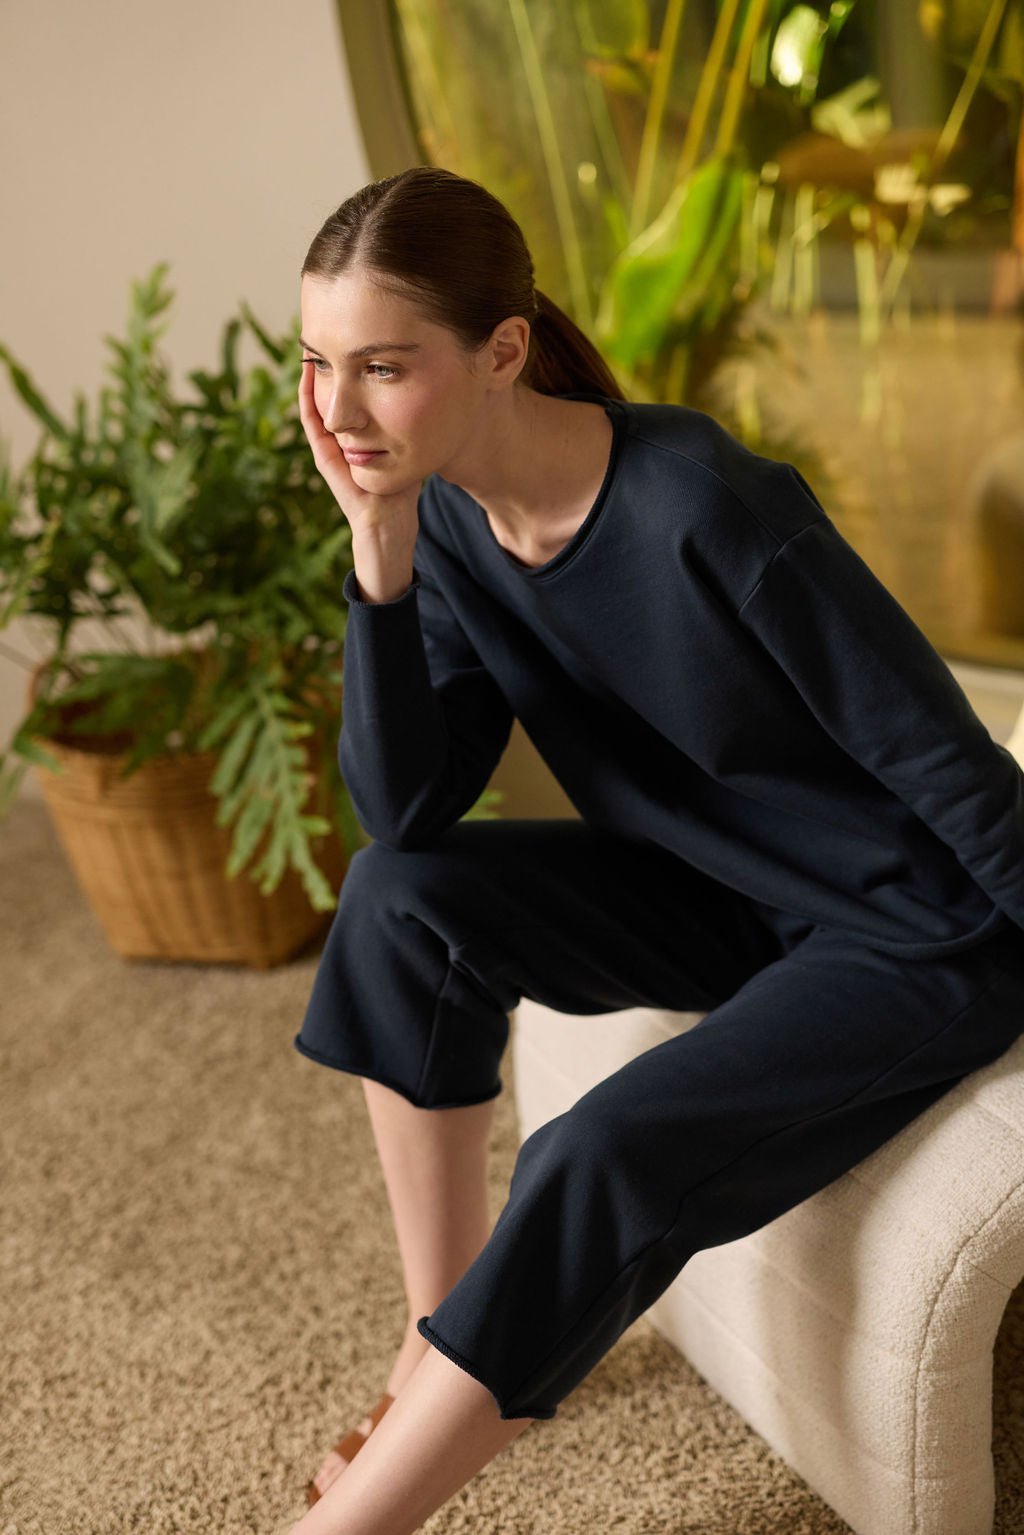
[
  {"x": 399, "y": 1087},
  {"x": 426, "y": 1331}
]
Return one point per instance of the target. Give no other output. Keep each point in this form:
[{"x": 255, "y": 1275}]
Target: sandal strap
[{"x": 353, "y": 1441}]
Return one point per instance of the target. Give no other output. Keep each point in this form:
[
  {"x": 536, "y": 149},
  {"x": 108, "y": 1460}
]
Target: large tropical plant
[{"x": 673, "y": 161}]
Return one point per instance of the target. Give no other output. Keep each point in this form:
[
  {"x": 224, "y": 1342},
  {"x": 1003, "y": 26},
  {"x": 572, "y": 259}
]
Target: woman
[{"x": 790, "y": 819}]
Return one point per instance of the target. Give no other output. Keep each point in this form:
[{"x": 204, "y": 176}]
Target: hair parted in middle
[{"x": 451, "y": 247}]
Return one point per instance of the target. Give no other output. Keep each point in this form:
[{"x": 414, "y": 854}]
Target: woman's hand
[
  {"x": 384, "y": 528},
  {"x": 366, "y": 511}
]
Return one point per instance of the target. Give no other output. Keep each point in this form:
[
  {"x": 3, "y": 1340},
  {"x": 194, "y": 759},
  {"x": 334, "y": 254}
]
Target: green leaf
[
  {"x": 31, "y": 750},
  {"x": 316, "y": 825},
  {"x": 233, "y": 756},
  {"x": 248, "y": 829},
  {"x": 222, "y": 721},
  {"x": 30, "y": 395},
  {"x": 273, "y": 348},
  {"x": 255, "y": 774},
  {"x": 487, "y": 807},
  {"x": 35, "y": 563},
  {"x": 10, "y": 782},
  {"x": 663, "y": 275},
  {"x": 613, "y": 30},
  {"x": 229, "y": 350}
]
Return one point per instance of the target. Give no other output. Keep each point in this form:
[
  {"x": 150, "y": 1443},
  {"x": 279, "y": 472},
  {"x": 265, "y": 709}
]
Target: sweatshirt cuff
[{"x": 350, "y": 592}]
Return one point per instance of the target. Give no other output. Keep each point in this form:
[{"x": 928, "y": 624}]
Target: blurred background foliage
[{"x": 678, "y": 166}]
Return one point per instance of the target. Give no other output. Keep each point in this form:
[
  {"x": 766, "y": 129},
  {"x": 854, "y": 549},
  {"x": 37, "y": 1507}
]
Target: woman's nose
[{"x": 343, "y": 412}]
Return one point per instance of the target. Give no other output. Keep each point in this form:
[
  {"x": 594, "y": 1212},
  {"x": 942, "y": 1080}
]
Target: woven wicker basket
[{"x": 150, "y": 857}]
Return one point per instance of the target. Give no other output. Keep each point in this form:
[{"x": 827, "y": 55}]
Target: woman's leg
[
  {"x": 814, "y": 1051},
  {"x": 430, "y": 949},
  {"x": 441, "y": 1430},
  {"x": 410, "y": 992},
  {"x": 818, "y": 1060},
  {"x": 435, "y": 1169}
]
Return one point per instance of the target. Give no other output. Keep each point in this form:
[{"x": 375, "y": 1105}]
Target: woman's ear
[{"x": 509, "y": 346}]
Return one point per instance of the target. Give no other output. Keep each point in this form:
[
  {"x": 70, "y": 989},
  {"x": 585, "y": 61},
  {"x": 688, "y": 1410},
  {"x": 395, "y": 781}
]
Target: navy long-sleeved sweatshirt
[{"x": 707, "y": 664}]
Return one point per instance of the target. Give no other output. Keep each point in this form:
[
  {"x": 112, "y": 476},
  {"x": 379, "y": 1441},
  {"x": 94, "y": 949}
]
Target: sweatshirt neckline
[{"x": 615, "y": 411}]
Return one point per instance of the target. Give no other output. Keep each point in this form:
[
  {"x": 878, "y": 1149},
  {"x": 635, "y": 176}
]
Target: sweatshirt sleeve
[
  {"x": 423, "y": 723},
  {"x": 878, "y": 686}
]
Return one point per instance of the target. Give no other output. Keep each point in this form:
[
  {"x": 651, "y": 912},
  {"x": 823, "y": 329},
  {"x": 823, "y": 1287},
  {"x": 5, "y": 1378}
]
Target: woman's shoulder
[
  {"x": 690, "y": 433},
  {"x": 680, "y": 444}
]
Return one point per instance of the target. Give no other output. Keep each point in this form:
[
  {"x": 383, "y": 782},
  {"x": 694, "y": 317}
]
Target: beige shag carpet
[{"x": 201, "y": 1287}]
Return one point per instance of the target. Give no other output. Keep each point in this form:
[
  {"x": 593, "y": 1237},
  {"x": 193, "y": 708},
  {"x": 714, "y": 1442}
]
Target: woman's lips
[{"x": 352, "y": 456}]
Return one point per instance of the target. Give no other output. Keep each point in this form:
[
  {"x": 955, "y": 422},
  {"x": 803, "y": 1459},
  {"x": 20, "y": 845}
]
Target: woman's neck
[{"x": 538, "y": 471}]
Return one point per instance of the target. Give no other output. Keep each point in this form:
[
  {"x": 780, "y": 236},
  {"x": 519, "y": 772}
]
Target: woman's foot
[{"x": 409, "y": 1355}]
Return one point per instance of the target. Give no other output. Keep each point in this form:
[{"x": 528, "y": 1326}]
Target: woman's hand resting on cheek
[{"x": 384, "y": 527}]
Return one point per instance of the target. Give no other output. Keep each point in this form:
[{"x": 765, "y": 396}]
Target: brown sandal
[{"x": 352, "y": 1442}]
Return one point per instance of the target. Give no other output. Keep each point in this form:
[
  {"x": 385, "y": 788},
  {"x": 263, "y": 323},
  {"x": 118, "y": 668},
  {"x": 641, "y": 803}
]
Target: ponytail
[{"x": 562, "y": 359}]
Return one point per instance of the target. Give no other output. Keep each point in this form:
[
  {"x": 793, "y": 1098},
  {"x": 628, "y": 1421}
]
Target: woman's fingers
[
  {"x": 327, "y": 456},
  {"x": 319, "y": 438},
  {"x": 359, "y": 506}
]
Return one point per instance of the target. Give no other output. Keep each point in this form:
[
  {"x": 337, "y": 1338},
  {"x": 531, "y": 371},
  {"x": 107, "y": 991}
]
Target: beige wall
[{"x": 213, "y": 134}]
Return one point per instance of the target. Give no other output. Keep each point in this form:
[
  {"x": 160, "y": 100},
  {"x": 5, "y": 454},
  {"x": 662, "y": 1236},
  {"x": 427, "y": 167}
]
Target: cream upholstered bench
[{"x": 855, "y": 1333}]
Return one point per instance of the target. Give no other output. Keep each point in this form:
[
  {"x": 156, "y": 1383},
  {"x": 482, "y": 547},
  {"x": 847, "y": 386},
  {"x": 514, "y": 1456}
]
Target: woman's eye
[{"x": 381, "y": 370}]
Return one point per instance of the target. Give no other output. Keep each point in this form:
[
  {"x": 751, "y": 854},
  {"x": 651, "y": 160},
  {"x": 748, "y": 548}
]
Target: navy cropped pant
[{"x": 815, "y": 1049}]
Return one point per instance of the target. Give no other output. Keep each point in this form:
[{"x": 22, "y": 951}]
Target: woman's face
[{"x": 411, "y": 392}]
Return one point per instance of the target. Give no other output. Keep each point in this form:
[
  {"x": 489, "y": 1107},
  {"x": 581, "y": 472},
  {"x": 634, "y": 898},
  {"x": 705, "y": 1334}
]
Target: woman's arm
[
  {"x": 423, "y": 723},
  {"x": 882, "y": 691}
]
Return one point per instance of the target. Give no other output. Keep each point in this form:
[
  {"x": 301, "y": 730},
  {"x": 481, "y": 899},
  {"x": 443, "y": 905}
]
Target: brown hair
[{"x": 450, "y": 246}]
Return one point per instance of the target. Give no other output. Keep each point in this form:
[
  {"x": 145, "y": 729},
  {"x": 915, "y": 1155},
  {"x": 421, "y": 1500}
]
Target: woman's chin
[
  {"x": 394, "y": 484},
  {"x": 380, "y": 478}
]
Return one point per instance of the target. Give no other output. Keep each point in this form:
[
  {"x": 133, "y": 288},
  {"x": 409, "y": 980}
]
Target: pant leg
[
  {"x": 814, "y": 1051},
  {"x": 431, "y": 949},
  {"x": 813, "y": 1063}
]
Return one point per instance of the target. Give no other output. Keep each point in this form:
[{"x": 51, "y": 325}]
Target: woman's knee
[
  {"x": 599, "y": 1140},
  {"x": 417, "y": 880},
  {"x": 377, "y": 875}
]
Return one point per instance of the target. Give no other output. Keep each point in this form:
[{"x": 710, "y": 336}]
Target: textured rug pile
[{"x": 201, "y": 1287}]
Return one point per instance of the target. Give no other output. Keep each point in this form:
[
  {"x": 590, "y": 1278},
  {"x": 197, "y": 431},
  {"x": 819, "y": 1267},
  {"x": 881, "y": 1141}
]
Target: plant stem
[
  {"x": 738, "y": 76},
  {"x": 433, "y": 97},
  {"x": 604, "y": 130},
  {"x": 654, "y": 119},
  {"x": 548, "y": 135},
  {"x": 709, "y": 76},
  {"x": 972, "y": 79},
  {"x": 947, "y": 139}
]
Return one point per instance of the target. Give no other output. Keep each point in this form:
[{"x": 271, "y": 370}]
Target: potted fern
[{"x": 171, "y": 767}]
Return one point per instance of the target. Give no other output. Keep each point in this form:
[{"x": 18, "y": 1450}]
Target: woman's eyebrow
[{"x": 374, "y": 346}]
